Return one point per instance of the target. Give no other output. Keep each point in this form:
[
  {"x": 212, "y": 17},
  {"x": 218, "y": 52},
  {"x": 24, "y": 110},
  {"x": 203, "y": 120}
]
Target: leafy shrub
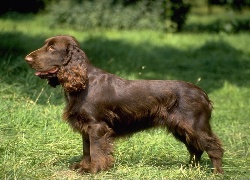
[
  {"x": 140, "y": 14},
  {"x": 228, "y": 26},
  {"x": 234, "y": 4}
]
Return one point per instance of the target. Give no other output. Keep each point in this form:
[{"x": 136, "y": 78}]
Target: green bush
[
  {"x": 233, "y": 25},
  {"x": 147, "y": 14}
]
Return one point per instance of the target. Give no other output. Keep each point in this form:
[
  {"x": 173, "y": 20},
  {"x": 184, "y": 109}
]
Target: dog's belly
[{"x": 130, "y": 126}]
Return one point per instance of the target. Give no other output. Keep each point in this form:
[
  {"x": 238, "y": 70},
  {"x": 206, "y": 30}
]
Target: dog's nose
[{"x": 29, "y": 58}]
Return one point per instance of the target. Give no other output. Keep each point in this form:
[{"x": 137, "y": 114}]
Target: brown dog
[{"x": 101, "y": 106}]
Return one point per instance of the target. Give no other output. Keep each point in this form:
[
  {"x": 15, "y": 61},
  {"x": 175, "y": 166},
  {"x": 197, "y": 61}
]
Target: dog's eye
[{"x": 51, "y": 48}]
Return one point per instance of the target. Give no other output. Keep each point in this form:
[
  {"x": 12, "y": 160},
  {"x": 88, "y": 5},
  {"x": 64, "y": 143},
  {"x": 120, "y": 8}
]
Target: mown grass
[{"x": 36, "y": 144}]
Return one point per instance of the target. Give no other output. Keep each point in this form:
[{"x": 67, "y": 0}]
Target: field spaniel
[{"x": 102, "y": 106}]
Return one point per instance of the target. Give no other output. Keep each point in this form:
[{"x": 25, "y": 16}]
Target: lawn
[{"x": 35, "y": 143}]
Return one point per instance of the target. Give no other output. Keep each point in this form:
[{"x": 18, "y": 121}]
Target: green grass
[{"x": 36, "y": 144}]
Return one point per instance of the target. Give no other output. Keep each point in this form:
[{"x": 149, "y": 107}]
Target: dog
[{"x": 102, "y": 106}]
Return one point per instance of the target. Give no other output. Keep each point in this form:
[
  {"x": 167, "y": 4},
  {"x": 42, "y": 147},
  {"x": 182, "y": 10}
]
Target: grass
[{"x": 36, "y": 144}]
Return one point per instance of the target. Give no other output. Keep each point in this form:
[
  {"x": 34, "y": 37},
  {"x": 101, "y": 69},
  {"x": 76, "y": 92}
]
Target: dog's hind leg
[
  {"x": 205, "y": 139},
  {"x": 213, "y": 147},
  {"x": 198, "y": 138},
  {"x": 195, "y": 152}
]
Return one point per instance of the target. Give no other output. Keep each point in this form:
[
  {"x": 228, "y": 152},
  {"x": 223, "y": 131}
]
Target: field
[{"x": 35, "y": 143}]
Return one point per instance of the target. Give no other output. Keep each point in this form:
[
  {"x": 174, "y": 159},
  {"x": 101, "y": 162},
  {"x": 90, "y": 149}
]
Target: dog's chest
[{"x": 74, "y": 114}]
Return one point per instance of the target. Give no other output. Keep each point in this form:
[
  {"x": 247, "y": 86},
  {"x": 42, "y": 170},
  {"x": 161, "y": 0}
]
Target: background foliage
[
  {"x": 119, "y": 14},
  {"x": 167, "y": 15}
]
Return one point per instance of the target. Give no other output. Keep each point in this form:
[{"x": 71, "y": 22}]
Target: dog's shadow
[
  {"x": 160, "y": 163},
  {"x": 165, "y": 153}
]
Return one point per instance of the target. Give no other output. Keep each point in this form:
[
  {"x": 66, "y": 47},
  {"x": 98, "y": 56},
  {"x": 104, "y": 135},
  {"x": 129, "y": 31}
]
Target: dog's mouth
[{"x": 47, "y": 74}]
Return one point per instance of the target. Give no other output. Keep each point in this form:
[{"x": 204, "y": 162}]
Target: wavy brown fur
[
  {"x": 101, "y": 106},
  {"x": 73, "y": 75}
]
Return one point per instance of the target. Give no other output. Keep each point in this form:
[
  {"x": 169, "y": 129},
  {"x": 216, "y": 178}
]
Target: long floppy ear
[{"x": 73, "y": 74}]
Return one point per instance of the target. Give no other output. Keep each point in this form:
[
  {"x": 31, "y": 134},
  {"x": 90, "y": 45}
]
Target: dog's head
[{"x": 60, "y": 61}]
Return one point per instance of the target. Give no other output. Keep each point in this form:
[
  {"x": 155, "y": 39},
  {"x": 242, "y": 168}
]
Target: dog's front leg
[
  {"x": 84, "y": 164},
  {"x": 101, "y": 147}
]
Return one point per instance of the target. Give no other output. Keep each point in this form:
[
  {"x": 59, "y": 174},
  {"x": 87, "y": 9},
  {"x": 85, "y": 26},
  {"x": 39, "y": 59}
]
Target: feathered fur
[{"x": 101, "y": 106}]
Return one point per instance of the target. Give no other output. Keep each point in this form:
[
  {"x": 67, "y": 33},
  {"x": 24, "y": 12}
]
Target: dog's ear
[
  {"x": 73, "y": 74},
  {"x": 72, "y": 47},
  {"x": 69, "y": 53}
]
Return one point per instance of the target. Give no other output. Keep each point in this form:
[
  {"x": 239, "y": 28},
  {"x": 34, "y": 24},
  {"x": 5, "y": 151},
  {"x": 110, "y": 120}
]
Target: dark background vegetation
[{"x": 167, "y": 15}]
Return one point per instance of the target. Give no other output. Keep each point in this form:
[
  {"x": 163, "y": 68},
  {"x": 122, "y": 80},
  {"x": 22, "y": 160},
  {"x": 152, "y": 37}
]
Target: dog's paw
[{"x": 82, "y": 167}]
